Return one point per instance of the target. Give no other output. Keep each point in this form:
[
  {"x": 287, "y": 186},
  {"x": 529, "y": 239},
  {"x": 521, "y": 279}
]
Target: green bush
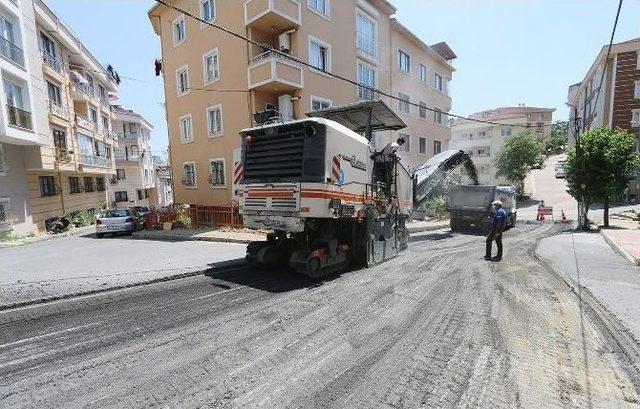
[
  {"x": 439, "y": 204},
  {"x": 184, "y": 220},
  {"x": 81, "y": 218}
]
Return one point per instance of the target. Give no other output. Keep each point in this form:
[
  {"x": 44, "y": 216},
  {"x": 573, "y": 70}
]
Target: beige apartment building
[
  {"x": 57, "y": 141},
  {"x": 214, "y": 82},
  {"x": 482, "y": 141}
]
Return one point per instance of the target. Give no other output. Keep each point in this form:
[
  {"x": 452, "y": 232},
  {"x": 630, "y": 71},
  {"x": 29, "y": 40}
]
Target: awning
[{"x": 355, "y": 116}]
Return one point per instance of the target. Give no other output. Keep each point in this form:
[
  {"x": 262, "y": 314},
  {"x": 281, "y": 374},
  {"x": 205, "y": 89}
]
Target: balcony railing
[
  {"x": 85, "y": 123},
  {"x": 58, "y": 110},
  {"x": 93, "y": 160},
  {"x": 85, "y": 88},
  {"x": 273, "y": 71},
  {"x": 11, "y": 51},
  {"x": 367, "y": 45},
  {"x": 104, "y": 101},
  {"x": 52, "y": 62},
  {"x": 19, "y": 117},
  {"x": 63, "y": 155}
]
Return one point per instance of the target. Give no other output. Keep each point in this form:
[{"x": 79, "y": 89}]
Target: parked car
[
  {"x": 116, "y": 221},
  {"x": 560, "y": 171},
  {"x": 141, "y": 211}
]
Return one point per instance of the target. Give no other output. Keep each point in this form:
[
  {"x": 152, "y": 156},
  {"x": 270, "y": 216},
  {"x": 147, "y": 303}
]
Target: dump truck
[{"x": 470, "y": 206}]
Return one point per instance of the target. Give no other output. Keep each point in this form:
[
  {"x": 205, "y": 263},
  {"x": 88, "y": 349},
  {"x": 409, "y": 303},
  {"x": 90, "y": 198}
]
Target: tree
[
  {"x": 608, "y": 161},
  {"x": 514, "y": 160},
  {"x": 559, "y": 137}
]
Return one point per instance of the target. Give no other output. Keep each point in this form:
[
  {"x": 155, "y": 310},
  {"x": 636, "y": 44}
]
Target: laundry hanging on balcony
[
  {"x": 78, "y": 77},
  {"x": 113, "y": 96}
]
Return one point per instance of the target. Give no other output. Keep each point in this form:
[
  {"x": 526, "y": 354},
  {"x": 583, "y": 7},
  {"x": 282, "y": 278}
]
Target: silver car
[{"x": 116, "y": 221}]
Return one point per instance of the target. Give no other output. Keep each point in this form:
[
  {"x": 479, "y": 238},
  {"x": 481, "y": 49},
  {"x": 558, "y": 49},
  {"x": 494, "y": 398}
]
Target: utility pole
[{"x": 582, "y": 211}]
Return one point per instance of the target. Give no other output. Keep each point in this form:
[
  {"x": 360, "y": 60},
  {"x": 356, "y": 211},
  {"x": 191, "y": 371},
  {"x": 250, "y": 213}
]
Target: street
[{"x": 436, "y": 327}]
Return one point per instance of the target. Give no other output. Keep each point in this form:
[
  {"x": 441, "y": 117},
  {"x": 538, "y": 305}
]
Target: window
[
  {"x": 446, "y": 86},
  {"x": 217, "y": 172},
  {"x": 54, "y": 94},
  {"x": 423, "y": 110},
  {"x": 505, "y": 132},
  {"x": 404, "y": 61},
  {"x": 48, "y": 46},
  {"x": 367, "y": 77},
  {"x": 214, "y": 120},
  {"x": 135, "y": 151},
  {"x": 482, "y": 134},
  {"x": 179, "y": 31},
  {"x": 319, "y": 55},
  {"x": 635, "y": 122},
  {"x": 121, "y": 197},
  {"x": 366, "y": 35},
  {"x": 13, "y": 93},
  {"x": 636, "y": 90},
  {"x": 319, "y": 6},
  {"x": 186, "y": 134},
  {"x": 100, "y": 186},
  {"x": 140, "y": 194},
  {"x": 182, "y": 80},
  {"x": 403, "y": 103},
  {"x": 4, "y": 210},
  {"x": 406, "y": 147},
  {"x": 133, "y": 128},
  {"x": 211, "y": 67},
  {"x": 437, "y": 147},
  {"x": 208, "y": 10},
  {"x": 47, "y": 185},
  {"x": 422, "y": 73},
  {"x": 3, "y": 164},
  {"x": 437, "y": 115},
  {"x": 423, "y": 145},
  {"x": 437, "y": 81},
  {"x": 539, "y": 116},
  {"x": 88, "y": 184},
  {"x": 102, "y": 93},
  {"x": 74, "y": 185},
  {"x": 105, "y": 123},
  {"x": 320, "y": 103},
  {"x": 93, "y": 114},
  {"x": 120, "y": 174},
  {"x": 189, "y": 179}
]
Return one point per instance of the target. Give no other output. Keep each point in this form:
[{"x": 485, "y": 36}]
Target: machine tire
[
  {"x": 99, "y": 235},
  {"x": 314, "y": 268}
]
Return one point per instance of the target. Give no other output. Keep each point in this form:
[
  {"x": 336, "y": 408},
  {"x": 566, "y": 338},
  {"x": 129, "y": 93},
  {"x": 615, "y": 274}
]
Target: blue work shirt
[{"x": 500, "y": 218}]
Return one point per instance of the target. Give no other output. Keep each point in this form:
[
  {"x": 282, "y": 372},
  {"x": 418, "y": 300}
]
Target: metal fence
[{"x": 215, "y": 216}]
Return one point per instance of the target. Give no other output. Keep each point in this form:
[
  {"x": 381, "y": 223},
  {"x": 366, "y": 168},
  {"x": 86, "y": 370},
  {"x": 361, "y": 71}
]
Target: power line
[
  {"x": 304, "y": 63},
  {"x": 606, "y": 60}
]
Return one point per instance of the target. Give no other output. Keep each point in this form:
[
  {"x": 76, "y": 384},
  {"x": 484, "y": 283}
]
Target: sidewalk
[
  {"x": 596, "y": 267},
  {"x": 624, "y": 234}
]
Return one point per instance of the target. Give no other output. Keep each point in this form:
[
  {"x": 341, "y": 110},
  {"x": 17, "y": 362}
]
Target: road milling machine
[{"x": 331, "y": 199}]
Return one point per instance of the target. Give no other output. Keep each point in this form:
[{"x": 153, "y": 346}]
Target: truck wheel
[{"x": 99, "y": 235}]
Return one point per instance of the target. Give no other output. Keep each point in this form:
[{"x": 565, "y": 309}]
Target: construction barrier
[
  {"x": 543, "y": 212},
  {"x": 215, "y": 216}
]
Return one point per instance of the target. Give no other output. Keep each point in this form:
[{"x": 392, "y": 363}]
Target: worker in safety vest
[
  {"x": 497, "y": 227},
  {"x": 388, "y": 156}
]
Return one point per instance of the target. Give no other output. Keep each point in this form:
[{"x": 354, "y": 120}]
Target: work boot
[
  {"x": 496, "y": 258},
  {"x": 488, "y": 258}
]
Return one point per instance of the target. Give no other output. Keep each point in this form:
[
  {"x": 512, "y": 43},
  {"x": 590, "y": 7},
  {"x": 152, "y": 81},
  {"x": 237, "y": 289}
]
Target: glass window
[
  {"x": 54, "y": 94},
  {"x": 208, "y": 10},
  {"x": 100, "y": 186},
  {"x": 85, "y": 144},
  {"x": 120, "y": 174},
  {"x": 404, "y": 61},
  {"x": 59, "y": 139},
  {"x": 3, "y": 164},
  {"x": 74, "y": 185},
  {"x": 48, "y": 46},
  {"x": 437, "y": 147},
  {"x": 217, "y": 173},
  {"x": 13, "y": 93},
  {"x": 179, "y": 32},
  {"x": 437, "y": 116},
  {"x": 120, "y": 197},
  {"x": 403, "y": 104},
  {"x": 317, "y": 103},
  {"x": 366, "y": 35},
  {"x": 321, "y": 6},
  {"x": 214, "y": 119},
  {"x": 423, "y": 110},
  {"x": 505, "y": 132},
  {"x": 422, "y": 72},
  {"x": 94, "y": 115},
  {"x": 183, "y": 81},
  {"x": 406, "y": 147},
  {"x": 211, "y": 67},
  {"x": 367, "y": 77},
  {"x": 319, "y": 56},
  {"x": 189, "y": 179},
  {"x": 423, "y": 145},
  {"x": 437, "y": 82},
  {"x": 185, "y": 128},
  {"x": 88, "y": 184},
  {"x": 47, "y": 185}
]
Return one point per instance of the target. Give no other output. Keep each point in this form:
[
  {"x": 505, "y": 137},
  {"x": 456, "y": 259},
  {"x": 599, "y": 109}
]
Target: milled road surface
[{"x": 436, "y": 327}]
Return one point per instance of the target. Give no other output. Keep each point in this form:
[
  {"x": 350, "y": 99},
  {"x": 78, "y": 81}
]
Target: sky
[{"x": 509, "y": 51}]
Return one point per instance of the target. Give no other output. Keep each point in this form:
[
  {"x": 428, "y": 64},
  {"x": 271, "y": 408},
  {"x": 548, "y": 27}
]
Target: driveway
[{"x": 83, "y": 263}]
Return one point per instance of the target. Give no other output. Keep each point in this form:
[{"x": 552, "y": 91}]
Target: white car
[
  {"x": 116, "y": 221},
  {"x": 560, "y": 171}
]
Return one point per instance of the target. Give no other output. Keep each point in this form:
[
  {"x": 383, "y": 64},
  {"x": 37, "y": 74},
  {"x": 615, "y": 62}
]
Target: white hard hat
[{"x": 497, "y": 203}]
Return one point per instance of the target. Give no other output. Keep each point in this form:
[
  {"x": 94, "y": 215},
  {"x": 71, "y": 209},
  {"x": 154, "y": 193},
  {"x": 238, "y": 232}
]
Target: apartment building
[
  {"x": 56, "y": 139},
  {"x": 618, "y": 105},
  {"x": 134, "y": 180},
  {"x": 214, "y": 82},
  {"x": 482, "y": 141}
]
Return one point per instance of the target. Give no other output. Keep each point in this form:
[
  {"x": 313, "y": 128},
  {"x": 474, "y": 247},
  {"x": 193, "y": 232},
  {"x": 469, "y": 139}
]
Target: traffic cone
[{"x": 564, "y": 217}]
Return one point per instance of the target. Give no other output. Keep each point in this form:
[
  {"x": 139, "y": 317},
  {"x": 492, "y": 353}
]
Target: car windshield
[{"x": 114, "y": 213}]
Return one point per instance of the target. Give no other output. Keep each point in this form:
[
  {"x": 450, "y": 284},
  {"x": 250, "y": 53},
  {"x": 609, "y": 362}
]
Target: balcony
[
  {"x": 63, "y": 155},
  {"x": 265, "y": 15},
  {"x": 95, "y": 161},
  {"x": 85, "y": 123},
  {"x": 52, "y": 62},
  {"x": 19, "y": 117},
  {"x": 109, "y": 134},
  {"x": 272, "y": 72},
  {"x": 11, "y": 51},
  {"x": 80, "y": 90},
  {"x": 58, "y": 110}
]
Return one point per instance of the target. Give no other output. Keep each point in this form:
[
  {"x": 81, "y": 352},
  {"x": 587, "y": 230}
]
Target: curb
[
  {"x": 177, "y": 237},
  {"x": 75, "y": 232},
  {"x": 44, "y": 300},
  {"x": 617, "y": 248},
  {"x": 438, "y": 226}
]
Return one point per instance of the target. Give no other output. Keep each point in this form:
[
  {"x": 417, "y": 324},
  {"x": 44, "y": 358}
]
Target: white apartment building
[
  {"x": 135, "y": 175},
  {"x": 482, "y": 141}
]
